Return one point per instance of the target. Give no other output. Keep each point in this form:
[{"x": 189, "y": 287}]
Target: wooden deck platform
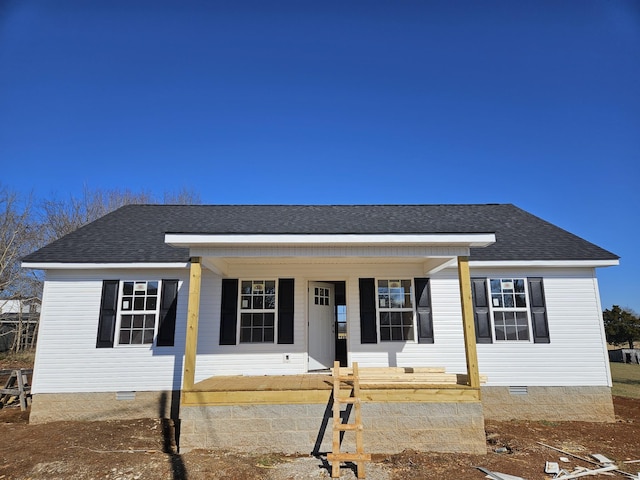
[
  {"x": 264, "y": 383},
  {"x": 376, "y": 385}
]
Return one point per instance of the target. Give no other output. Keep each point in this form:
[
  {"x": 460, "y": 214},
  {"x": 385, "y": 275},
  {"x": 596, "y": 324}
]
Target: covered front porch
[
  {"x": 234, "y": 394},
  {"x": 300, "y": 333}
]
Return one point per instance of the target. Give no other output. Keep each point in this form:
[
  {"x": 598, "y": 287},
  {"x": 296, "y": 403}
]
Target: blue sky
[{"x": 335, "y": 102}]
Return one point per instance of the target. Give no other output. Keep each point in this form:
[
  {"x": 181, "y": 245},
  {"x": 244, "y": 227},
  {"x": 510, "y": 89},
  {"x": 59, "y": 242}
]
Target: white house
[{"x": 226, "y": 317}]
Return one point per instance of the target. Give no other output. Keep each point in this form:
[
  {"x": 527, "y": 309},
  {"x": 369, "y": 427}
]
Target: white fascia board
[
  {"x": 543, "y": 263},
  {"x": 101, "y": 266},
  {"x": 462, "y": 239}
]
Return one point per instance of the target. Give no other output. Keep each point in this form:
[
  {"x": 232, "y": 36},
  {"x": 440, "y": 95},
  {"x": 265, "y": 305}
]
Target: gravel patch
[{"x": 309, "y": 468}]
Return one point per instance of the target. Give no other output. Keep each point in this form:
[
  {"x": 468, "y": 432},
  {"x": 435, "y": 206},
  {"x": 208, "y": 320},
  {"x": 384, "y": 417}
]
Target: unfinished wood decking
[
  {"x": 16, "y": 387},
  {"x": 392, "y": 384}
]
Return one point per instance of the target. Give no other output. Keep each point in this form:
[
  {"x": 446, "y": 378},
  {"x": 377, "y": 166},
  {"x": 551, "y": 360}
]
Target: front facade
[{"x": 152, "y": 304}]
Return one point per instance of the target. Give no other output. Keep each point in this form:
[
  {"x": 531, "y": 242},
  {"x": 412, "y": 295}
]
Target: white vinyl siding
[
  {"x": 448, "y": 350},
  {"x": 576, "y": 354},
  {"x": 67, "y": 359},
  {"x": 247, "y": 358}
]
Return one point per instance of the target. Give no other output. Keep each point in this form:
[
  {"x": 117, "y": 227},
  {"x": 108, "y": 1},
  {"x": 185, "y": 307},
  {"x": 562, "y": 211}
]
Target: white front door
[{"x": 321, "y": 325}]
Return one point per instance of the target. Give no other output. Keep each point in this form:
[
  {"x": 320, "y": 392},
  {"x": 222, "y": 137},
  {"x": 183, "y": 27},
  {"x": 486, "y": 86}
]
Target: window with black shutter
[
  {"x": 257, "y": 311},
  {"x": 510, "y": 310},
  {"x": 137, "y": 312},
  {"x": 391, "y": 308}
]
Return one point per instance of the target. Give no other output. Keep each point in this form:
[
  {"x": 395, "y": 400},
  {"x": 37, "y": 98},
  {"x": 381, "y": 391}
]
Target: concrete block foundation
[
  {"x": 51, "y": 407},
  {"x": 388, "y": 428},
  {"x": 585, "y": 404}
]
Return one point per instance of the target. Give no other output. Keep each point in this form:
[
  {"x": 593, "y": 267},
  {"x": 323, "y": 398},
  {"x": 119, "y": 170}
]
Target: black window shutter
[
  {"x": 167, "y": 321},
  {"x": 229, "y": 311},
  {"x": 368, "y": 322},
  {"x": 108, "y": 309},
  {"x": 481, "y": 316},
  {"x": 423, "y": 310},
  {"x": 285, "y": 310},
  {"x": 538, "y": 311}
]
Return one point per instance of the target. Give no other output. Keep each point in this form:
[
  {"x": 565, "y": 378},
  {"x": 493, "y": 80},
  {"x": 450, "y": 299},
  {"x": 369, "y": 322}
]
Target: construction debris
[
  {"x": 601, "y": 458},
  {"x": 605, "y": 466},
  {"x": 583, "y": 472},
  {"x": 498, "y": 475},
  {"x": 16, "y": 388},
  {"x": 552, "y": 467}
]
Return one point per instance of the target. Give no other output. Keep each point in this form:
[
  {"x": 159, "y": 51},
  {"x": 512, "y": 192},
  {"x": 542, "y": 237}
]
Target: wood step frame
[
  {"x": 419, "y": 377},
  {"x": 351, "y": 377}
]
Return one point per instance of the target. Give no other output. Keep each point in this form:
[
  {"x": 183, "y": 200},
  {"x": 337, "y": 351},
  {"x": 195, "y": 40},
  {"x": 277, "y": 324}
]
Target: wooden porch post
[
  {"x": 473, "y": 374},
  {"x": 193, "y": 311}
]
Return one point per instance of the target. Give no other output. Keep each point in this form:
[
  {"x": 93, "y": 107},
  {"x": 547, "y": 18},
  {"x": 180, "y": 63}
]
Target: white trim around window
[
  {"x": 138, "y": 312},
  {"x": 395, "y": 310},
  {"x": 257, "y": 311},
  {"x": 509, "y": 310}
]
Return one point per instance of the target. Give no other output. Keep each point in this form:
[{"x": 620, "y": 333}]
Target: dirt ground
[{"x": 145, "y": 449}]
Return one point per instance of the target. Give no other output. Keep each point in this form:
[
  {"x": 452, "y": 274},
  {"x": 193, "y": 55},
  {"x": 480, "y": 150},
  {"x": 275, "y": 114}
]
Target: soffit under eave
[{"x": 223, "y": 266}]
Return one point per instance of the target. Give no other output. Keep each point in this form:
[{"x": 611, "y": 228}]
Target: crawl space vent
[
  {"x": 125, "y": 395},
  {"x": 518, "y": 391}
]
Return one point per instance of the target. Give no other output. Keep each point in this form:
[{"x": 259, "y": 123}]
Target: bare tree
[
  {"x": 19, "y": 235},
  {"x": 61, "y": 217},
  {"x": 182, "y": 197},
  {"x": 22, "y": 232}
]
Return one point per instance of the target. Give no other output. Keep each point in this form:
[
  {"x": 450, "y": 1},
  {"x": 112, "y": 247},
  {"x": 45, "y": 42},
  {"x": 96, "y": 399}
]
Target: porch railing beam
[
  {"x": 193, "y": 313},
  {"x": 473, "y": 373}
]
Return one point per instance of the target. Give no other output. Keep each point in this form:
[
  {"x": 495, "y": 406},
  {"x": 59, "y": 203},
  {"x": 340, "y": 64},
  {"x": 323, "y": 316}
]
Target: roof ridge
[{"x": 262, "y": 205}]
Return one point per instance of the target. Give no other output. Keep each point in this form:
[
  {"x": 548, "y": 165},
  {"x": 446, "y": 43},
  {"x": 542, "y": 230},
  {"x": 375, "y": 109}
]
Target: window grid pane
[
  {"x": 395, "y": 310},
  {"x": 137, "y": 329},
  {"x": 258, "y": 295},
  {"x": 257, "y": 327}
]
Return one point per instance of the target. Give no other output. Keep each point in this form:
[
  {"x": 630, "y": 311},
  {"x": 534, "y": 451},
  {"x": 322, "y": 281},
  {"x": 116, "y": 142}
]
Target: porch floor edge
[{"x": 379, "y": 394}]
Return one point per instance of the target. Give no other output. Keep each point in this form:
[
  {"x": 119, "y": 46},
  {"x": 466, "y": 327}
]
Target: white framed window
[
  {"x": 258, "y": 311},
  {"x": 509, "y": 306},
  {"x": 138, "y": 309},
  {"x": 395, "y": 306},
  {"x": 322, "y": 296}
]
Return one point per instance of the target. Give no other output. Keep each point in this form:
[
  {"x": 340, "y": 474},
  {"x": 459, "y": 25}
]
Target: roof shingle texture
[{"x": 135, "y": 233}]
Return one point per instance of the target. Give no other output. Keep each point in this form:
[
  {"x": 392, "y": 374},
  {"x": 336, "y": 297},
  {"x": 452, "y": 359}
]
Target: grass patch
[
  {"x": 268, "y": 461},
  {"x": 626, "y": 379},
  {"x": 548, "y": 423},
  {"x": 17, "y": 360}
]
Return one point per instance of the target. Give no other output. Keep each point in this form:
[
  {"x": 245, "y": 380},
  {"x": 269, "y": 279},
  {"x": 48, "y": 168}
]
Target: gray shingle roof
[{"x": 135, "y": 233}]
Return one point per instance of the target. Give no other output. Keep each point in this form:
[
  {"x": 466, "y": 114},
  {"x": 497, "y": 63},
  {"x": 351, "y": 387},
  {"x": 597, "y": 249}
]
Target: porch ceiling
[
  {"x": 221, "y": 252},
  {"x": 223, "y": 265}
]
